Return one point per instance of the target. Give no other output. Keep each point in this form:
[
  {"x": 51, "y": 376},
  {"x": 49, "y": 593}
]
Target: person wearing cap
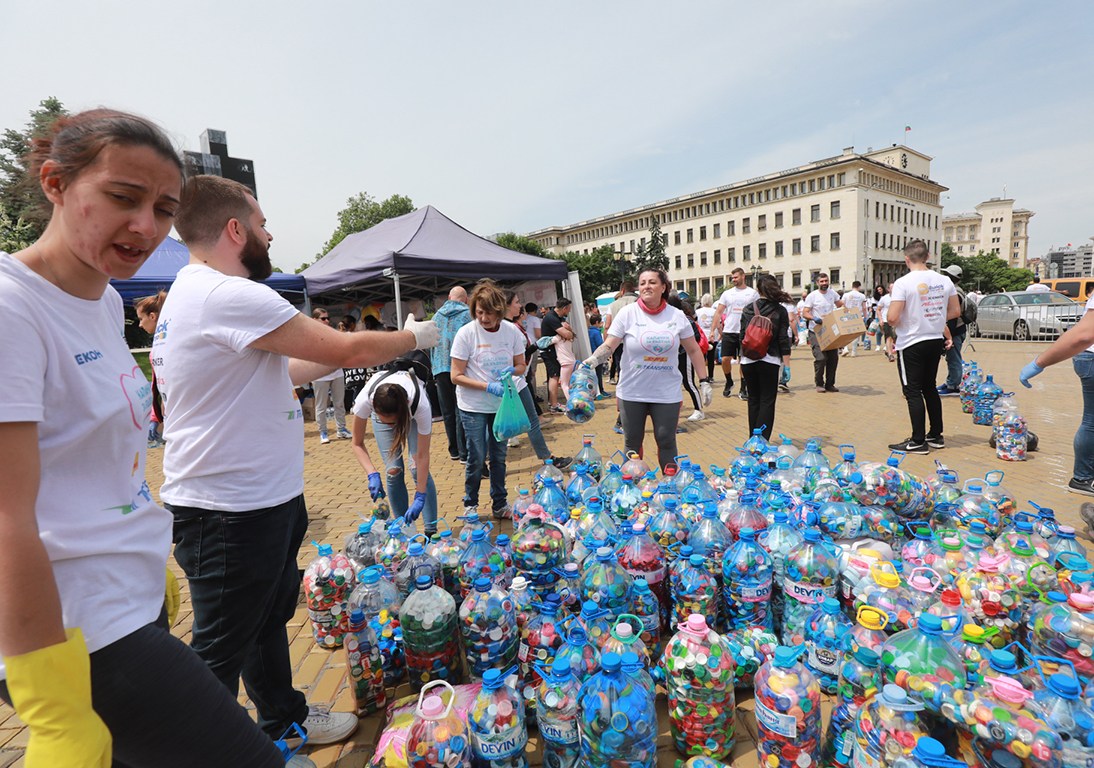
[{"x": 952, "y": 386}]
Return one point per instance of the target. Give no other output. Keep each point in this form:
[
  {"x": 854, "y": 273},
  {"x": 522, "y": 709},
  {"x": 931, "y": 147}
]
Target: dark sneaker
[
  {"x": 681, "y": 429},
  {"x": 561, "y": 462},
  {"x": 728, "y": 391},
  {"x": 784, "y": 388},
  {"x": 617, "y": 429},
  {"x": 830, "y": 389},
  {"x": 936, "y": 441},
  {"x": 743, "y": 395},
  {"x": 1081, "y": 486},
  {"x": 945, "y": 391},
  {"x": 907, "y": 446}
]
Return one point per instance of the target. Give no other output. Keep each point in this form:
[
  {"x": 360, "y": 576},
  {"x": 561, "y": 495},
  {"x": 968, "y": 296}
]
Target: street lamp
[{"x": 757, "y": 270}]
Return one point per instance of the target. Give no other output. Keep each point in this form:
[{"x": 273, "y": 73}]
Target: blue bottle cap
[
  {"x": 930, "y": 624},
  {"x": 604, "y": 553},
  {"x": 786, "y": 657},
  {"x": 867, "y": 657},
  {"x": 365, "y": 527},
  {"x": 1065, "y": 686},
  {"x": 478, "y": 534},
  {"x": 414, "y": 549},
  {"x": 696, "y": 560},
  {"x": 669, "y": 503},
  {"x": 1003, "y": 661},
  {"x": 629, "y": 659},
  {"x": 560, "y": 667},
  {"x": 894, "y": 694},
  {"x": 1057, "y": 597},
  {"x": 324, "y": 550},
  {"x": 370, "y": 575},
  {"x": 423, "y": 582},
  {"x": 610, "y": 662},
  {"x": 831, "y": 605},
  {"x": 482, "y": 584},
  {"x": 641, "y": 585},
  {"x": 747, "y": 533},
  {"x": 492, "y": 679},
  {"x": 686, "y": 550},
  {"x": 812, "y": 534},
  {"x": 502, "y": 540},
  {"x": 856, "y": 477},
  {"x": 931, "y": 749},
  {"x": 356, "y": 616},
  {"x": 523, "y": 491}
]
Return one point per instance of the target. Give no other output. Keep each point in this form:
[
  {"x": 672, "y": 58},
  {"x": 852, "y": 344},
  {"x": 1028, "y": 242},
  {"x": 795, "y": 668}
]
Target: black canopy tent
[{"x": 418, "y": 255}]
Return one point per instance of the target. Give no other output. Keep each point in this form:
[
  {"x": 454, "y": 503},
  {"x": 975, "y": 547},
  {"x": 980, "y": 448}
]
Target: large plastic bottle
[
  {"x": 921, "y": 661},
  {"x": 480, "y": 559},
  {"x": 929, "y": 753},
  {"x": 548, "y": 470},
  {"x": 608, "y": 584},
  {"x": 756, "y": 445},
  {"x": 540, "y": 546},
  {"x": 392, "y": 552},
  {"x": 438, "y": 738},
  {"x": 580, "y": 481},
  {"x": 888, "y": 727},
  {"x": 625, "y": 501},
  {"x": 647, "y": 607},
  {"x": 590, "y": 458},
  {"x": 812, "y": 456},
  {"x": 748, "y": 514},
  {"x": 970, "y": 382},
  {"x": 556, "y": 715},
  {"x": 520, "y": 506},
  {"x": 669, "y": 528},
  {"x": 581, "y": 402},
  {"x": 361, "y": 545},
  {"x": 595, "y": 622},
  {"x": 417, "y": 561},
  {"x": 788, "y": 709},
  {"x": 811, "y": 576},
  {"x": 778, "y": 539},
  {"x": 859, "y": 680},
  {"x": 634, "y": 466},
  {"x": 695, "y": 590},
  {"x": 365, "y": 665},
  {"x": 701, "y": 695},
  {"x": 499, "y": 734},
  {"x": 618, "y": 720},
  {"x": 823, "y": 634},
  {"x": 328, "y": 581},
  {"x": 379, "y": 600},
  {"x": 702, "y": 485},
  {"x": 973, "y": 505},
  {"x": 748, "y": 573},
  {"x": 596, "y": 524},
  {"x": 684, "y": 476},
  {"x": 540, "y": 640},
  {"x": 580, "y": 654},
  {"x": 488, "y": 627},
  {"x": 471, "y": 523},
  {"x": 568, "y": 588},
  {"x": 553, "y": 499},
  {"x": 643, "y": 558},
  {"x": 626, "y": 635},
  {"x": 985, "y": 397},
  {"x": 446, "y": 549},
  {"x": 1063, "y": 709},
  {"x": 431, "y": 635},
  {"x": 843, "y": 471}
]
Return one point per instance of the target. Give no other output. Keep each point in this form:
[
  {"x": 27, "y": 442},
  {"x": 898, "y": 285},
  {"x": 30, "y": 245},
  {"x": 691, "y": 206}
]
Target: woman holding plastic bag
[
  {"x": 649, "y": 378},
  {"x": 485, "y": 353},
  {"x": 401, "y": 415}
]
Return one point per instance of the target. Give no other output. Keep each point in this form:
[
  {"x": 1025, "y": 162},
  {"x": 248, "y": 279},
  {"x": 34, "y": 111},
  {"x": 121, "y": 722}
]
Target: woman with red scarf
[{"x": 652, "y": 333}]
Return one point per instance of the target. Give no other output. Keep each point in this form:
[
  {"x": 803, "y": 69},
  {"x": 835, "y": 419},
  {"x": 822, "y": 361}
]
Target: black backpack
[
  {"x": 416, "y": 362},
  {"x": 375, "y": 383},
  {"x": 968, "y": 307}
]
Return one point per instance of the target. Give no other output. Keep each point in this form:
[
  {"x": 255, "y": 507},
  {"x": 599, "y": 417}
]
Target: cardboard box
[{"x": 839, "y": 328}]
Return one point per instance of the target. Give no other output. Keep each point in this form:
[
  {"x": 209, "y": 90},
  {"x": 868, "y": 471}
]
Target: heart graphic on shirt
[
  {"x": 138, "y": 391},
  {"x": 493, "y": 362},
  {"x": 656, "y": 342}
]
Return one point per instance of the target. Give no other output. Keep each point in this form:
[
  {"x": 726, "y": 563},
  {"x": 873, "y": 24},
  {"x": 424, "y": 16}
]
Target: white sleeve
[
  {"x": 362, "y": 406},
  {"x": 239, "y": 312},
  {"x": 898, "y": 292},
  {"x": 21, "y": 387},
  {"x": 461, "y": 344},
  {"x": 423, "y": 417}
]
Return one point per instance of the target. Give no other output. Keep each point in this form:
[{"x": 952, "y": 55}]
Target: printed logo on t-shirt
[
  {"x": 88, "y": 357},
  {"x": 296, "y": 413},
  {"x": 923, "y": 288},
  {"x": 161, "y": 331},
  {"x": 138, "y": 391},
  {"x": 493, "y": 361},
  {"x": 656, "y": 342}
]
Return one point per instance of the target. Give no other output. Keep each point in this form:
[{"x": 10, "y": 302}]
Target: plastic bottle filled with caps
[
  {"x": 438, "y": 738},
  {"x": 365, "y": 665},
  {"x": 542, "y": 636},
  {"x": 888, "y": 728},
  {"x": 556, "y": 715},
  {"x": 698, "y": 666},
  {"x": 431, "y": 635},
  {"x": 488, "y": 626},
  {"x": 328, "y": 581},
  {"x": 859, "y": 681},
  {"x": 788, "y": 717},
  {"x": 617, "y": 719},
  {"x": 499, "y": 735},
  {"x": 748, "y": 573},
  {"x": 823, "y": 633},
  {"x": 811, "y": 573}
]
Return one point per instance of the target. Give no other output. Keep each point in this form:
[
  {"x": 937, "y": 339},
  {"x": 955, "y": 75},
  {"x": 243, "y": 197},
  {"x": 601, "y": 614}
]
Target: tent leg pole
[{"x": 398, "y": 305}]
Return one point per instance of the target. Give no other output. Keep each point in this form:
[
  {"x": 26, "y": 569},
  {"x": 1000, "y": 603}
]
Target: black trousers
[
  {"x": 453, "y": 426},
  {"x": 712, "y": 353},
  {"x": 918, "y": 367},
  {"x": 762, "y": 382},
  {"x": 824, "y": 363},
  {"x": 244, "y": 587},
  {"x": 165, "y": 709}
]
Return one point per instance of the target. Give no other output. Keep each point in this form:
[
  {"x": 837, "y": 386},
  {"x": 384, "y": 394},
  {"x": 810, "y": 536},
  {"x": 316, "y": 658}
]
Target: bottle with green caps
[
  {"x": 431, "y": 635},
  {"x": 698, "y": 670},
  {"x": 379, "y": 600},
  {"x": 921, "y": 661},
  {"x": 488, "y": 626},
  {"x": 417, "y": 561},
  {"x": 365, "y": 665}
]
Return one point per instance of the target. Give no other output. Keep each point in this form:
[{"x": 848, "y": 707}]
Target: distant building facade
[
  {"x": 213, "y": 159},
  {"x": 995, "y": 227},
  {"x": 1071, "y": 261},
  {"x": 849, "y": 215}
]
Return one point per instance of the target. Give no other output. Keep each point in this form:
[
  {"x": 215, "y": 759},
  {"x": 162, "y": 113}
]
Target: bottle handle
[{"x": 433, "y": 684}]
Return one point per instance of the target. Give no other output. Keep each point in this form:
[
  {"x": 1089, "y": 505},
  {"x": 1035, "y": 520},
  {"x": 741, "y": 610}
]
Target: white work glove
[
  {"x": 426, "y": 333},
  {"x": 706, "y": 392},
  {"x": 601, "y": 355}
]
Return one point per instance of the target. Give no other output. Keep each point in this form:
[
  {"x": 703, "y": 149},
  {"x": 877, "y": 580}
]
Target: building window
[
  {"x": 796, "y": 279},
  {"x": 731, "y": 228},
  {"x": 779, "y": 279},
  {"x": 706, "y": 284},
  {"x": 676, "y": 237},
  {"x": 814, "y": 244},
  {"x": 702, "y": 258},
  {"x": 796, "y": 216},
  {"x": 835, "y": 210},
  {"x": 812, "y": 185},
  {"x": 875, "y": 241},
  {"x": 691, "y": 289},
  {"x": 778, "y": 247},
  {"x": 834, "y": 277},
  {"x": 691, "y": 260},
  {"x": 834, "y": 244},
  {"x": 762, "y": 251},
  {"x": 679, "y": 264},
  {"x": 779, "y": 220},
  {"x": 960, "y": 248},
  {"x": 751, "y": 198},
  {"x": 691, "y": 235},
  {"x": 746, "y": 253},
  {"x": 717, "y": 231},
  {"x": 814, "y": 213},
  {"x": 746, "y": 226},
  {"x": 679, "y": 285},
  {"x": 731, "y": 255},
  {"x": 796, "y": 246},
  {"x": 717, "y": 257},
  {"x": 702, "y": 233},
  {"x": 761, "y": 222},
  {"x": 842, "y": 179},
  {"x": 719, "y": 284}
]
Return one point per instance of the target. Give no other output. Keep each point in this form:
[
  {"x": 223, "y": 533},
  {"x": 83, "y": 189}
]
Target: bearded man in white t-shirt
[
  {"x": 819, "y": 303},
  {"x": 922, "y": 302},
  {"x": 727, "y": 318},
  {"x": 229, "y": 356},
  {"x": 855, "y": 299}
]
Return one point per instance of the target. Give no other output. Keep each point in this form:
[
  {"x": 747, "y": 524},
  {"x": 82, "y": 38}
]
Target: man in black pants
[
  {"x": 922, "y": 301},
  {"x": 818, "y": 304}
]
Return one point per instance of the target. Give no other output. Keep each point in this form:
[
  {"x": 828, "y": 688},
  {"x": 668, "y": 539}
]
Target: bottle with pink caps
[
  {"x": 694, "y": 685},
  {"x": 438, "y": 737}
]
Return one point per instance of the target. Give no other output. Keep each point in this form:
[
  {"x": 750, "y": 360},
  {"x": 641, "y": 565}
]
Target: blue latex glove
[
  {"x": 509, "y": 371},
  {"x": 1028, "y": 373},
  {"x": 375, "y": 486},
  {"x": 415, "y": 508},
  {"x": 494, "y": 388}
]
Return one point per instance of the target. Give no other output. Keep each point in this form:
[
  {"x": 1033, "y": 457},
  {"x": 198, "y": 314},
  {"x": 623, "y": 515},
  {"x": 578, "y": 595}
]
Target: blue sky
[{"x": 513, "y": 116}]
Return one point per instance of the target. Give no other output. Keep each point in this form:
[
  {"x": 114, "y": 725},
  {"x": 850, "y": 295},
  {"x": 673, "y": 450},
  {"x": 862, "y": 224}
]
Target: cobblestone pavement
[{"x": 868, "y": 413}]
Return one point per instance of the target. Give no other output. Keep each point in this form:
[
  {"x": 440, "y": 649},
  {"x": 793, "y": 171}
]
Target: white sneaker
[
  {"x": 326, "y": 727},
  {"x": 468, "y": 510},
  {"x": 300, "y": 761},
  {"x": 323, "y": 438},
  {"x": 697, "y": 416}
]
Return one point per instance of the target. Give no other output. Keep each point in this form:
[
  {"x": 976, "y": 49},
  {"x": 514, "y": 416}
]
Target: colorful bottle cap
[
  {"x": 610, "y": 662},
  {"x": 867, "y": 657},
  {"x": 697, "y": 623},
  {"x": 478, "y": 534},
  {"x": 930, "y": 624},
  {"x": 432, "y": 707},
  {"x": 1081, "y": 601},
  {"x": 482, "y": 584},
  {"x": 831, "y": 605},
  {"x": 1065, "y": 686},
  {"x": 1003, "y": 661},
  {"x": 423, "y": 582}
]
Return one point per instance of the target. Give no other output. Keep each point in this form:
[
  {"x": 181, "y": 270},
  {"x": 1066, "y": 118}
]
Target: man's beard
[{"x": 255, "y": 257}]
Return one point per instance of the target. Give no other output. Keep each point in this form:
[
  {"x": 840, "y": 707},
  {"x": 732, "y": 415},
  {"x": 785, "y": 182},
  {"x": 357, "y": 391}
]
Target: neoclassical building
[
  {"x": 849, "y": 215},
  {"x": 995, "y": 227}
]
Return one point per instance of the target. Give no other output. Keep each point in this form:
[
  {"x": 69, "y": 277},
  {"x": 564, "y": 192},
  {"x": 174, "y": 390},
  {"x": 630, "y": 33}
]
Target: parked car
[{"x": 1025, "y": 315}]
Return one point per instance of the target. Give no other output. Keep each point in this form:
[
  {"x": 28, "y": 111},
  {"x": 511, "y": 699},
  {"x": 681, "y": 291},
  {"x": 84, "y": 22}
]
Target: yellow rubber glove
[
  {"x": 51, "y": 691},
  {"x": 172, "y": 599}
]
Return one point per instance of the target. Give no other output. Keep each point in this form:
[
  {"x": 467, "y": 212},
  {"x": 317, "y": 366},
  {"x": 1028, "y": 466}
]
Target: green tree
[
  {"x": 360, "y": 213},
  {"x": 598, "y": 271},
  {"x": 515, "y": 242},
  {"x": 24, "y": 210},
  {"x": 653, "y": 255}
]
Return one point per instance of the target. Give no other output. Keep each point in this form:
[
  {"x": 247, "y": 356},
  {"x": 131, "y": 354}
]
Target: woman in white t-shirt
[
  {"x": 88, "y": 661},
  {"x": 704, "y": 317},
  {"x": 483, "y": 352},
  {"x": 398, "y": 405},
  {"x": 649, "y": 377}
]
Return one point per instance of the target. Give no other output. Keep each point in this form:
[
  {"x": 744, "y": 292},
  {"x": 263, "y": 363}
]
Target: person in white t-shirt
[
  {"x": 329, "y": 390},
  {"x": 229, "y": 357},
  {"x": 88, "y": 659},
  {"x": 533, "y": 329},
  {"x": 651, "y": 332},
  {"x": 819, "y": 303},
  {"x": 484, "y": 352},
  {"x": 704, "y": 318},
  {"x": 802, "y": 325},
  {"x": 922, "y": 301},
  {"x": 727, "y": 318},
  {"x": 888, "y": 332},
  {"x": 855, "y": 299},
  {"x": 397, "y": 404},
  {"x": 1037, "y": 286},
  {"x": 1076, "y": 344}
]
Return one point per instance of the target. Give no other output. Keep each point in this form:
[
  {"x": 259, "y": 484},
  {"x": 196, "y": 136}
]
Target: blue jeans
[
  {"x": 535, "y": 434},
  {"x": 479, "y": 430},
  {"x": 396, "y": 473},
  {"x": 953, "y": 363},
  {"x": 1084, "y": 438}
]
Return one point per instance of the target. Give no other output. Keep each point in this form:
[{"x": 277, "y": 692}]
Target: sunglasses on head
[{"x": 327, "y": 319}]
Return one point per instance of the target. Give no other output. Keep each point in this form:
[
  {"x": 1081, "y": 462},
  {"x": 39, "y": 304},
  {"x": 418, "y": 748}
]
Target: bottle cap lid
[
  {"x": 415, "y": 549},
  {"x": 697, "y": 623},
  {"x": 478, "y": 534},
  {"x": 1081, "y": 601},
  {"x": 930, "y": 623},
  {"x": 432, "y": 707},
  {"x": 1064, "y": 685},
  {"x": 610, "y": 662},
  {"x": 423, "y": 582},
  {"x": 482, "y": 584},
  {"x": 624, "y": 630},
  {"x": 696, "y": 560}
]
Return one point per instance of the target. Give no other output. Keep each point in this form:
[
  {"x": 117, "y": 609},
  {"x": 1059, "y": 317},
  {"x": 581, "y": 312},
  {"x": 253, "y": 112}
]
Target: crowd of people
[{"x": 87, "y": 658}]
